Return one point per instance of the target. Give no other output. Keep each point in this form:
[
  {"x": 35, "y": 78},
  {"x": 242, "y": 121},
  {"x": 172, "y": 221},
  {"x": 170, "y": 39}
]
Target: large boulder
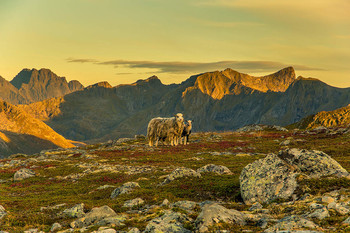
[
  {"x": 313, "y": 163},
  {"x": 274, "y": 176},
  {"x": 214, "y": 213},
  {"x": 267, "y": 179}
]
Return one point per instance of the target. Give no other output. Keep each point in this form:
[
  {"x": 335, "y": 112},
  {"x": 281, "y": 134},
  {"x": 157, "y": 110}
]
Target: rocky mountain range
[
  {"x": 22, "y": 133},
  {"x": 216, "y": 101},
  {"x": 34, "y": 85}
]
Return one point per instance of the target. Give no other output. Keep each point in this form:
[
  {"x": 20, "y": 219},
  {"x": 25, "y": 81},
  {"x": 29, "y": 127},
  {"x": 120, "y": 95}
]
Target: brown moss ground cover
[{"x": 57, "y": 181}]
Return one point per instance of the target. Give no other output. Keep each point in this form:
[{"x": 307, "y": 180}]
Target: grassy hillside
[{"x": 72, "y": 176}]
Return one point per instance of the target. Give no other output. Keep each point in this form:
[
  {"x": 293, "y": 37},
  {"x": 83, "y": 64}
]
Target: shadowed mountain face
[
  {"x": 20, "y": 132},
  {"x": 216, "y": 101},
  {"x": 36, "y": 85}
]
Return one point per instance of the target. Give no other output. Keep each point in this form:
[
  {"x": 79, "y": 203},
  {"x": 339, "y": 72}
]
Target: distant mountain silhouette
[
  {"x": 22, "y": 133},
  {"x": 216, "y": 101},
  {"x": 30, "y": 86}
]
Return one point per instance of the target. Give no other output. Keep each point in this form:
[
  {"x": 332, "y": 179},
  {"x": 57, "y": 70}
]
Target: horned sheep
[{"x": 169, "y": 129}]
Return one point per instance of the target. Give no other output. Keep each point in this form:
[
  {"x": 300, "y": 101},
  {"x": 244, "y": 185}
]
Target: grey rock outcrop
[
  {"x": 133, "y": 202},
  {"x": 179, "y": 173},
  {"x": 99, "y": 216},
  {"x": 274, "y": 176},
  {"x": 125, "y": 188},
  {"x": 215, "y": 213},
  {"x": 267, "y": 179},
  {"x": 76, "y": 211},
  {"x": 169, "y": 222},
  {"x": 313, "y": 163},
  {"x": 23, "y": 173},
  {"x": 218, "y": 169},
  {"x": 291, "y": 223}
]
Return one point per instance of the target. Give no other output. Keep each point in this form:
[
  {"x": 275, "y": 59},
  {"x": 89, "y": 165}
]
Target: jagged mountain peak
[
  {"x": 217, "y": 84},
  {"x": 104, "y": 84}
]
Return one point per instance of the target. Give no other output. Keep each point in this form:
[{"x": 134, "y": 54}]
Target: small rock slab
[
  {"x": 133, "y": 202},
  {"x": 185, "y": 205},
  {"x": 23, "y": 173},
  {"x": 76, "y": 211},
  {"x": 292, "y": 222},
  {"x": 2, "y": 212},
  {"x": 99, "y": 216},
  {"x": 125, "y": 188},
  {"x": 215, "y": 213},
  {"x": 179, "y": 173},
  {"x": 218, "y": 169},
  {"x": 319, "y": 214},
  {"x": 169, "y": 222}
]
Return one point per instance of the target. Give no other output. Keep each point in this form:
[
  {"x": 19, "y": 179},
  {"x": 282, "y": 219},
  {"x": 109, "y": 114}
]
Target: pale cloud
[
  {"x": 177, "y": 67},
  {"x": 324, "y": 10},
  {"x": 85, "y": 60}
]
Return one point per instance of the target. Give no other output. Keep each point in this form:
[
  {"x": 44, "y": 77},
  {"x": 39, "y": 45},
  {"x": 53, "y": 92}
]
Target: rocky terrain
[
  {"x": 34, "y": 85},
  {"x": 326, "y": 119},
  {"x": 258, "y": 179},
  {"x": 22, "y": 133},
  {"x": 216, "y": 101}
]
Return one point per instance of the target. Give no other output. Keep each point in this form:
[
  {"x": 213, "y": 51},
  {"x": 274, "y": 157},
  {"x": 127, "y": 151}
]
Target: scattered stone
[
  {"x": 33, "y": 230},
  {"x": 106, "y": 186},
  {"x": 133, "y": 202},
  {"x": 140, "y": 137},
  {"x": 179, "y": 173},
  {"x": 170, "y": 221},
  {"x": 105, "y": 230},
  {"x": 328, "y": 199},
  {"x": 313, "y": 163},
  {"x": 185, "y": 205},
  {"x": 218, "y": 169},
  {"x": 320, "y": 214},
  {"x": 134, "y": 230},
  {"x": 76, "y": 211},
  {"x": 339, "y": 208},
  {"x": 215, "y": 213},
  {"x": 99, "y": 216},
  {"x": 2, "y": 212},
  {"x": 346, "y": 221},
  {"x": 165, "y": 202},
  {"x": 290, "y": 223},
  {"x": 23, "y": 173},
  {"x": 267, "y": 179},
  {"x": 315, "y": 206},
  {"x": 55, "y": 227},
  {"x": 256, "y": 206},
  {"x": 259, "y": 127},
  {"x": 125, "y": 188},
  {"x": 285, "y": 143},
  {"x": 55, "y": 207}
]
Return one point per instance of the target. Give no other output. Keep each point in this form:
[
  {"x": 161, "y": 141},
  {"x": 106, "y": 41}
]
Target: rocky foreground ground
[{"x": 259, "y": 179}]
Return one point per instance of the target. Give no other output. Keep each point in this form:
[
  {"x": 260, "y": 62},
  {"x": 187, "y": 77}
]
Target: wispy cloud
[
  {"x": 177, "y": 67},
  {"x": 84, "y": 60}
]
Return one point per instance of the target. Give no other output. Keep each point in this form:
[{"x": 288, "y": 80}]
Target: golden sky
[{"x": 121, "y": 41}]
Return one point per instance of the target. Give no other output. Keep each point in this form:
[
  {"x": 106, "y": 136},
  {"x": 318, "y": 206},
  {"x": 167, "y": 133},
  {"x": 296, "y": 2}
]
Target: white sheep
[
  {"x": 186, "y": 132},
  {"x": 168, "y": 129}
]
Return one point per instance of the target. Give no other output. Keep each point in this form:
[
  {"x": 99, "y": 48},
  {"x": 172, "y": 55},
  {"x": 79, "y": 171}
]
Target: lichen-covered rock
[
  {"x": 76, "y": 211},
  {"x": 291, "y": 223},
  {"x": 99, "y": 216},
  {"x": 169, "y": 222},
  {"x": 2, "y": 212},
  {"x": 133, "y": 202},
  {"x": 55, "y": 227},
  {"x": 125, "y": 188},
  {"x": 179, "y": 173},
  {"x": 313, "y": 163},
  {"x": 218, "y": 169},
  {"x": 105, "y": 230},
  {"x": 267, "y": 179},
  {"x": 23, "y": 173},
  {"x": 215, "y": 213},
  {"x": 185, "y": 205},
  {"x": 320, "y": 214}
]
